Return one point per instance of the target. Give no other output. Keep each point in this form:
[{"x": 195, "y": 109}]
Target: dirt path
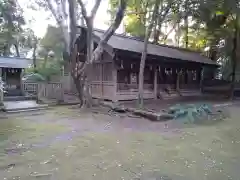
[{"x": 65, "y": 144}]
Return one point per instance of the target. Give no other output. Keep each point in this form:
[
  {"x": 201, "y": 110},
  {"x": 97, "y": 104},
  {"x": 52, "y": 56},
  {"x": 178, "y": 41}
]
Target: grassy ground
[{"x": 66, "y": 144}]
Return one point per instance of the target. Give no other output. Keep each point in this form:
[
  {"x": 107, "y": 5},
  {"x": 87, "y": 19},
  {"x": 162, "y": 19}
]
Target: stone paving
[{"x": 15, "y": 105}]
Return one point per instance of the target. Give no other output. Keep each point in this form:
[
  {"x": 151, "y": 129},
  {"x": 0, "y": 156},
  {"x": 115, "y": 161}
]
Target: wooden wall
[{"x": 102, "y": 79}]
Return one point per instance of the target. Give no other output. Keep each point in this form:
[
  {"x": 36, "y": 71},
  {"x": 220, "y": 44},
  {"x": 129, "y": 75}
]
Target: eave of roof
[{"x": 15, "y": 62}]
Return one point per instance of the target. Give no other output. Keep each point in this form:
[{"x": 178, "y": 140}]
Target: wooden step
[
  {"x": 168, "y": 95},
  {"x": 18, "y": 98},
  {"x": 187, "y": 92},
  {"x": 19, "y": 110},
  {"x": 22, "y": 106}
]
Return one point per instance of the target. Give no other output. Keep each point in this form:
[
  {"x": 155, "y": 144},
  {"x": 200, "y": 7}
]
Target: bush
[{"x": 47, "y": 71}]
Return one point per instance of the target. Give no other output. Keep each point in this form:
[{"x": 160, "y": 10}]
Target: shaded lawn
[{"x": 66, "y": 144}]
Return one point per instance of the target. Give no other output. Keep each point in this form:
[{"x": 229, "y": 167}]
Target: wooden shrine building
[
  {"x": 11, "y": 70},
  {"x": 115, "y": 76}
]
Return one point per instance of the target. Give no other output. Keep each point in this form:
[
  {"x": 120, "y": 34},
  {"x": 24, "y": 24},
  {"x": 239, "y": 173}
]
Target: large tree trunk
[
  {"x": 87, "y": 93},
  {"x": 144, "y": 54},
  {"x": 79, "y": 87},
  {"x": 81, "y": 70},
  {"x": 77, "y": 74}
]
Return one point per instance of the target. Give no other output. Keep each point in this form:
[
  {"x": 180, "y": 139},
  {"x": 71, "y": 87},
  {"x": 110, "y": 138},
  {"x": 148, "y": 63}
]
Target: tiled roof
[{"x": 132, "y": 44}]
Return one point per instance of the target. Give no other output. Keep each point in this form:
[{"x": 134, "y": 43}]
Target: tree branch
[
  {"x": 60, "y": 22},
  {"x": 162, "y": 17},
  {"x": 64, "y": 8},
  {"x": 73, "y": 23},
  {"x": 172, "y": 29},
  {"x": 111, "y": 30},
  {"x": 84, "y": 12},
  {"x": 95, "y": 8},
  {"x": 152, "y": 21},
  {"x": 160, "y": 20},
  {"x": 50, "y": 6},
  {"x": 117, "y": 21}
]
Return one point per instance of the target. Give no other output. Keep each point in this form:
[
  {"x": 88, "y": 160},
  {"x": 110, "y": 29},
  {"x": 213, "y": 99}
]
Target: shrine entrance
[{"x": 12, "y": 78}]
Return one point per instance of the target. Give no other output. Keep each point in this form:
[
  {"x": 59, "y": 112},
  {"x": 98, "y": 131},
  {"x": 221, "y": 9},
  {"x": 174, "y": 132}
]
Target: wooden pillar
[
  {"x": 101, "y": 79},
  {"x": 201, "y": 79},
  {"x": 155, "y": 82},
  {"x": 2, "y": 91},
  {"x": 178, "y": 83},
  {"x": 5, "y": 75},
  {"x": 115, "y": 98},
  {"x": 174, "y": 77},
  {"x": 21, "y": 76}
]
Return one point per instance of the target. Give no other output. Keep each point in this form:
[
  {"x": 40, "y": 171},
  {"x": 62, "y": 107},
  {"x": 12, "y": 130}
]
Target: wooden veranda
[{"x": 119, "y": 80}]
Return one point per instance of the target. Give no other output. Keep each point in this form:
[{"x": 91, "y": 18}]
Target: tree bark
[{"x": 144, "y": 54}]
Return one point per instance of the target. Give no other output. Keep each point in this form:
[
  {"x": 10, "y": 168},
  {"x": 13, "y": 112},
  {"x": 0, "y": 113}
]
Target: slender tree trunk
[
  {"x": 144, "y": 54},
  {"x": 34, "y": 57},
  {"x": 157, "y": 34},
  {"x": 45, "y": 59},
  {"x": 178, "y": 35},
  {"x": 186, "y": 23},
  {"x": 17, "y": 50},
  {"x": 9, "y": 38},
  {"x": 234, "y": 58},
  {"x": 158, "y": 26},
  {"x": 79, "y": 86},
  {"x": 186, "y": 32},
  {"x": 169, "y": 32},
  {"x": 213, "y": 49}
]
